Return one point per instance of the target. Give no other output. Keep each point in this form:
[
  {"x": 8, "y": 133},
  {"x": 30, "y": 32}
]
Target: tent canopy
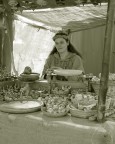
[
  {"x": 73, "y": 18},
  {"x": 73, "y": 15}
]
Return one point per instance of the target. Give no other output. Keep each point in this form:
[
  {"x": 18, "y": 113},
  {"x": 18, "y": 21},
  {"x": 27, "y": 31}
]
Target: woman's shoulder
[
  {"x": 71, "y": 56},
  {"x": 51, "y": 56},
  {"x": 55, "y": 55},
  {"x": 74, "y": 56}
]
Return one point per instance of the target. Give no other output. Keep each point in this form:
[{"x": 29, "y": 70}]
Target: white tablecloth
[{"x": 35, "y": 128}]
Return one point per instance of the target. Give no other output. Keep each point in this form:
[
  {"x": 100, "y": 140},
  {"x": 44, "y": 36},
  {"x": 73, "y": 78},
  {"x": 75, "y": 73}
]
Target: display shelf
[{"x": 44, "y": 85}]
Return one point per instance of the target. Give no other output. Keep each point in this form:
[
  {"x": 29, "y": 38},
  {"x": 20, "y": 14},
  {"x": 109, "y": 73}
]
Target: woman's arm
[
  {"x": 47, "y": 66},
  {"x": 67, "y": 72},
  {"x": 77, "y": 65}
]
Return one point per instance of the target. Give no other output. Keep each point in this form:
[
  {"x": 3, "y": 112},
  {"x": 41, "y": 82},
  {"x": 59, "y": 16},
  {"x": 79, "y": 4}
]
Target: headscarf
[{"x": 61, "y": 34}]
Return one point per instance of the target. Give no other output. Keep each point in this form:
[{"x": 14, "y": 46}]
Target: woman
[{"x": 63, "y": 56}]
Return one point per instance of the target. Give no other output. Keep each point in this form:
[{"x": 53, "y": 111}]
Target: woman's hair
[{"x": 70, "y": 47}]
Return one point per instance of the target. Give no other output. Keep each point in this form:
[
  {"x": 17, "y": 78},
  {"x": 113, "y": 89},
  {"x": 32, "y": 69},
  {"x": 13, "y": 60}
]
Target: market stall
[{"x": 52, "y": 111}]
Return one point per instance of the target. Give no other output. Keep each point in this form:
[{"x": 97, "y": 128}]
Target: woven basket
[
  {"x": 43, "y": 109},
  {"x": 110, "y": 91},
  {"x": 82, "y": 114}
]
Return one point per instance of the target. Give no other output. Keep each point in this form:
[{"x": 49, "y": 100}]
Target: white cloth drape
[{"x": 31, "y": 47}]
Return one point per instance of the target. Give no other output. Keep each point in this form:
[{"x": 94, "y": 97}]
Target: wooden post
[
  {"x": 8, "y": 37},
  {"x": 1, "y": 47},
  {"x": 1, "y": 39},
  {"x": 106, "y": 61}
]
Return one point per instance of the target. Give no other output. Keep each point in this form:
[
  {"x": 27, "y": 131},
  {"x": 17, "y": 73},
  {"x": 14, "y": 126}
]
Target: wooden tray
[
  {"x": 29, "y": 77},
  {"x": 21, "y": 106}
]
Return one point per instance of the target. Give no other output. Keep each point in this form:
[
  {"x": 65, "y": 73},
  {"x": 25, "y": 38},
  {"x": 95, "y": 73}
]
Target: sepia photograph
[{"x": 57, "y": 71}]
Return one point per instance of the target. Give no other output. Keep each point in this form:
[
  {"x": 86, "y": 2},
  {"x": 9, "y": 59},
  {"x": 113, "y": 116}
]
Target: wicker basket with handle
[{"x": 81, "y": 113}]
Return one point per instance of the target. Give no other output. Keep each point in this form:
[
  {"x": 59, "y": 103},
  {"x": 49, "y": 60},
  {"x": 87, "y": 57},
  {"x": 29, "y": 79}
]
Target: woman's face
[{"x": 61, "y": 45}]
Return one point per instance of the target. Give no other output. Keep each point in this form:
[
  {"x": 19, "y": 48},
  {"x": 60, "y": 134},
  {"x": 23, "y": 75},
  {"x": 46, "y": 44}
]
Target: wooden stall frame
[{"x": 106, "y": 60}]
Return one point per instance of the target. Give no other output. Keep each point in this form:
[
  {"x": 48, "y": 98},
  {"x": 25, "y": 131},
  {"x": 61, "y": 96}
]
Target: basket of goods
[
  {"x": 5, "y": 75},
  {"x": 55, "y": 106},
  {"x": 83, "y": 105},
  {"x": 64, "y": 90},
  {"x": 28, "y": 75},
  {"x": 109, "y": 110},
  {"x": 111, "y": 84},
  {"x": 10, "y": 92},
  {"x": 16, "y": 93}
]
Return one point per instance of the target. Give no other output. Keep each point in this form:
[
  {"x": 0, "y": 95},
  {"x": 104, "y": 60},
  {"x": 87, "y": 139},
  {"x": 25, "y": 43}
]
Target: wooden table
[{"x": 35, "y": 128}]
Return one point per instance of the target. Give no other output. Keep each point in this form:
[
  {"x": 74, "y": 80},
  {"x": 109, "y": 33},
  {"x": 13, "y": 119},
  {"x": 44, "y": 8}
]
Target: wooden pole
[
  {"x": 1, "y": 39},
  {"x": 8, "y": 37},
  {"x": 106, "y": 60},
  {"x": 0, "y": 47}
]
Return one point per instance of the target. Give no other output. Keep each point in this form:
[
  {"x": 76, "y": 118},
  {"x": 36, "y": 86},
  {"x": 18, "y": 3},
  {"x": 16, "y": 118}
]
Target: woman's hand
[
  {"x": 49, "y": 71},
  {"x": 52, "y": 69}
]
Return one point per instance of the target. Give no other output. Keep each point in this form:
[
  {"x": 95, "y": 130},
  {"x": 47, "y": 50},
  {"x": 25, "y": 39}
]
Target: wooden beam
[
  {"x": 35, "y": 23},
  {"x": 106, "y": 60},
  {"x": 86, "y": 27}
]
